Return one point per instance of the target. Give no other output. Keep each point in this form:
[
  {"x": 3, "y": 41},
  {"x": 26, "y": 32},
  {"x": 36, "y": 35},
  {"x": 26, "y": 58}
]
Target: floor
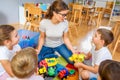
[{"x": 83, "y": 31}]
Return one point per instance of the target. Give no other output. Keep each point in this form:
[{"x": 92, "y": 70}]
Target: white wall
[{"x": 9, "y": 11}]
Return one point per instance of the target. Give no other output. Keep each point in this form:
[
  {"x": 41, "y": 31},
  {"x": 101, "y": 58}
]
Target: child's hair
[
  {"x": 109, "y": 70},
  {"x": 24, "y": 63},
  {"x": 57, "y": 6},
  {"x": 5, "y": 33},
  {"x": 106, "y": 35}
]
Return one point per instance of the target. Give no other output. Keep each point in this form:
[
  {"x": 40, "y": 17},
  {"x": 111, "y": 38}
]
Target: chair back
[{"x": 76, "y": 13}]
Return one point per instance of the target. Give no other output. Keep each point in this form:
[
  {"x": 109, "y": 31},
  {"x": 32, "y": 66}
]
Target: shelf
[
  {"x": 116, "y": 12},
  {"x": 117, "y": 4}
]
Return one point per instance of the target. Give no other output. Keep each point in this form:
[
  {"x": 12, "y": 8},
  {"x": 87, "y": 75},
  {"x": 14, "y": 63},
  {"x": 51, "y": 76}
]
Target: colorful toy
[
  {"x": 51, "y": 61},
  {"x": 70, "y": 66},
  {"x": 71, "y": 72},
  {"x": 77, "y": 57},
  {"x": 42, "y": 70},
  {"x": 43, "y": 63},
  {"x": 51, "y": 71},
  {"x": 63, "y": 73}
]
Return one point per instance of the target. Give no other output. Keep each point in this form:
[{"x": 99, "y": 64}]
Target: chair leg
[{"x": 115, "y": 47}]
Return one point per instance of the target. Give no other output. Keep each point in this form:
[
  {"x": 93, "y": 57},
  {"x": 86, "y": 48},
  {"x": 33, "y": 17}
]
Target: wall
[
  {"x": 9, "y": 11},
  {"x": 21, "y": 8}
]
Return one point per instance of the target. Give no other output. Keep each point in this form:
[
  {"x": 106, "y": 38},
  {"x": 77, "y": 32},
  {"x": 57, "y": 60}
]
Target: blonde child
[
  {"x": 24, "y": 65},
  {"x": 99, "y": 53},
  {"x": 8, "y": 46}
]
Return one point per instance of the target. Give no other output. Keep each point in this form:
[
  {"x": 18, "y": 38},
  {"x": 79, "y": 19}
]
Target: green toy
[{"x": 51, "y": 71}]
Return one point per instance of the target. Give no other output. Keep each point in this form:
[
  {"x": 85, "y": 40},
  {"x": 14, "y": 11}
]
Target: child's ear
[
  {"x": 6, "y": 42},
  {"x": 103, "y": 42}
]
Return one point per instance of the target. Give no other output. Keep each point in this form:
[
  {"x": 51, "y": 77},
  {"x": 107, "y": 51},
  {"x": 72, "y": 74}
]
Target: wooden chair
[
  {"x": 70, "y": 6},
  {"x": 108, "y": 8},
  {"x": 75, "y": 18},
  {"x": 96, "y": 17},
  {"x": 76, "y": 13},
  {"x": 33, "y": 17},
  {"x": 116, "y": 32}
]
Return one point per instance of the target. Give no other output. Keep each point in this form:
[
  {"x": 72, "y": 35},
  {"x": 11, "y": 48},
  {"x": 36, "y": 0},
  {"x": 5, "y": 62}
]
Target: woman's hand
[
  {"x": 75, "y": 51},
  {"x": 38, "y": 51}
]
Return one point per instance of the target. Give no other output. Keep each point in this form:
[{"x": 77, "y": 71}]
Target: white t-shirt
[
  {"x": 33, "y": 77},
  {"x": 100, "y": 55},
  {"x": 6, "y": 54},
  {"x": 54, "y": 32}
]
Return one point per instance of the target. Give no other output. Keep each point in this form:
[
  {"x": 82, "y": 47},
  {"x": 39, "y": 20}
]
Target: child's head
[
  {"x": 24, "y": 63},
  {"x": 8, "y": 35},
  {"x": 109, "y": 70},
  {"x": 103, "y": 37}
]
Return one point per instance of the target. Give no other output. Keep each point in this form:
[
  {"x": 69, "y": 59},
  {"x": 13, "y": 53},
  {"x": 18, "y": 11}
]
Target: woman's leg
[
  {"x": 64, "y": 52},
  {"x": 46, "y": 52}
]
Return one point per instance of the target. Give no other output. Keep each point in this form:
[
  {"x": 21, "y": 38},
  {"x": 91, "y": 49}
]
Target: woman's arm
[
  {"x": 7, "y": 67},
  {"x": 67, "y": 42},
  {"x": 41, "y": 41}
]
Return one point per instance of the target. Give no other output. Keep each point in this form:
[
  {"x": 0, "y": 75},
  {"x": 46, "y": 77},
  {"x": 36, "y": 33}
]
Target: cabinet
[{"x": 116, "y": 9}]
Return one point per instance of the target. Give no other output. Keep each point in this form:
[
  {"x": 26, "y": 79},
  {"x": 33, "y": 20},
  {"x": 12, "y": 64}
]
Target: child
[
  {"x": 109, "y": 70},
  {"x": 99, "y": 53},
  {"x": 8, "y": 46},
  {"x": 24, "y": 65}
]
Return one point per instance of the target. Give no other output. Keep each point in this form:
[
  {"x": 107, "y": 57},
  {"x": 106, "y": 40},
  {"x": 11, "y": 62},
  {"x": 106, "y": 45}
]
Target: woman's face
[{"x": 61, "y": 16}]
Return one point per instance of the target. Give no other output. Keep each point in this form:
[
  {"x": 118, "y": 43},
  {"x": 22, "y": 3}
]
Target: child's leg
[{"x": 85, "y": 75}]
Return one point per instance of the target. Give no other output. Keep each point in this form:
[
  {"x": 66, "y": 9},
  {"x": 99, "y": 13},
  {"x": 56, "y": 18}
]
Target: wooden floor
[{"x": 83, "y": 30}]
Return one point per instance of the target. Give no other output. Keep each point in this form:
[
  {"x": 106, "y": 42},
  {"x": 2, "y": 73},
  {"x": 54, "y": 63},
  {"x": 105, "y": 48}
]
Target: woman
[{"x": 54, "y": 30}]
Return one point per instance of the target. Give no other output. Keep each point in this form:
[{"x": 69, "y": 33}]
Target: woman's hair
[
  {"x": 109, "y": 70},
  {"x": 24, "y": 63},
  {"x": 57, "y": 6},
  {"x": 106, "y": 35},
  {"x": 5, "y": 33}
]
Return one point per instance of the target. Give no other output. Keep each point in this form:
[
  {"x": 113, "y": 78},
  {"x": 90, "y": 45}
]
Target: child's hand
[{"x": 78, "y": 65}]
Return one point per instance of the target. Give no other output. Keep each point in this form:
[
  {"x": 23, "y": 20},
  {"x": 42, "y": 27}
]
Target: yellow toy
[
  {"x": 42, "y": 70},
  {"x": 77, "y": 57},
  {"x": 51, "y": 61}
]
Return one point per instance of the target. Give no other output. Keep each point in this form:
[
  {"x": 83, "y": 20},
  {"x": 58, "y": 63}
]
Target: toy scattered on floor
[
  {"x": 77, "y": 57},
  {"x": 51, "y": 61},
  {"x": 51, "y": 71},
  {"x": 42, "y": 70},
  {"x": 47, "y": 66},
  {"x": 61, "y": 71},
  {"x": 71, "y": 72},
  {"x": 43, "y": 63}
]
